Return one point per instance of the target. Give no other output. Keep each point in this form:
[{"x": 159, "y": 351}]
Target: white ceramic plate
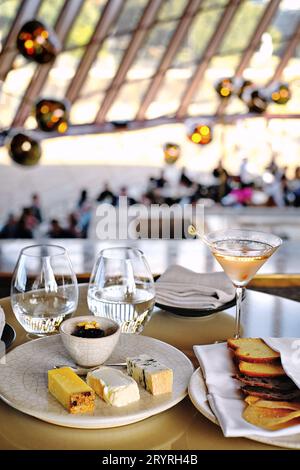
[
  {"x": 198, "y": 396},
  {"x": 23, "y": 382}
]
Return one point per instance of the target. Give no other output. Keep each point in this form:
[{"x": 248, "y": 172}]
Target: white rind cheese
[
  {"x": 152, "y": 375},
  {"x": 113, "y": 386}
]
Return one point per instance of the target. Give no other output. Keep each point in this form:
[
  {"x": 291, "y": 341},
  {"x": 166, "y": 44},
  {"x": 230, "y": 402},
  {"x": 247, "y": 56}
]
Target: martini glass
[{"x": 241, "y": 253}]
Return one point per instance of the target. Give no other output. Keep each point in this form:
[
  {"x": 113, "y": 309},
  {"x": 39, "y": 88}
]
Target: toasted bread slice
[
  {"x": 253, "y": 350},
  {"x": 261, "y": 370}
]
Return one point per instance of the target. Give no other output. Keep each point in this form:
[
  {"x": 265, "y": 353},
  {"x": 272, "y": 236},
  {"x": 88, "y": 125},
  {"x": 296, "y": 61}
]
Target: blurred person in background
[
  {"x": 295, "y": 187},
  {"x": 72, "y": 230},
  {"x": 107, "y": 196},
  {"x": 223, "y": 182},
  {"x": 82, "y": 198},
  {"x": 36, "y": 208},
  {"x": 184, "y": 180},
  {"x": 9, "y": 228},
  {"x": 124, "y": 193},
  {"x": 55, "y": 231},
  {"x": 84, "y": 210},
  {"x": 24, "y": 226},
  {"x": 161, "y": 180},
  {"x": 31, "y": 220}
]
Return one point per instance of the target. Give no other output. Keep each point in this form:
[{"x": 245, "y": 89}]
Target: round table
[{"x": 181, "y": 427}]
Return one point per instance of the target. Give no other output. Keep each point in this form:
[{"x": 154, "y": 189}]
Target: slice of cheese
[
  {"x": 70, "y": 390},
  {"x": 152, "y": 375},
  {"x": 113, "y": 386}
]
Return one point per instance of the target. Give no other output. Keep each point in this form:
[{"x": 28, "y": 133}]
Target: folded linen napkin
[
  {"x": 181, "y": 287},
  {"x": 2, "y": 321},
  {"x": 224, "y": 396}
]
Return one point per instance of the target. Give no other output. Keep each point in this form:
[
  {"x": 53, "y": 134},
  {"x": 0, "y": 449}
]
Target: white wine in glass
[{"x": 44, "y": 290}]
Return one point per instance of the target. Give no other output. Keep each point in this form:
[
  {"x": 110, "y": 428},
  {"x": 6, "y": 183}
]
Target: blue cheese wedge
[
  {"x": 151, "y": 374},
  {"x": 113, "y": 386}
]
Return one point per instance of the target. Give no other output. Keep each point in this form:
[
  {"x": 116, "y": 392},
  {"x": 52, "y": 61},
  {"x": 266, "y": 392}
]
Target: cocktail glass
[{"x": 241, "y": 253}]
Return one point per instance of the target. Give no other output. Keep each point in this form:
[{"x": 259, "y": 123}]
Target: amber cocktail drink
[{"x": 241, "y": 253}]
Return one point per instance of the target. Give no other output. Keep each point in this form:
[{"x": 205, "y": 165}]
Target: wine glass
[
  {"x": 241, "y": 253},
  {"x": 121, "y": 287},
  {"x": 44, "y": 289}
]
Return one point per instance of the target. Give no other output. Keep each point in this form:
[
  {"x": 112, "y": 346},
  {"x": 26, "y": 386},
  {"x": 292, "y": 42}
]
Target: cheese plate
[{"x": 23, "y": 382}]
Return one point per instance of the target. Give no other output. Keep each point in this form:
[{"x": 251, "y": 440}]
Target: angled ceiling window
[
  {"x": 171, "y": 10},
  {"x": 227, "y": 57},
  {"x": 79, "y": 36},
  {"x": 146, "y": 61},
  {"x": 291, "y": 75},
  {"x": 274, "y": 41},
  {"x": 21, "y": 72},
  {"x": 124, "y": 79},
  {"x": 107, "y": 62},
  {"x": 184, "y": 63},
  {"x": 49, "y": 11},
  {"x": 101, "y": 73},
  {"x": 8, "y": 12},
  {"x": 142, "y": 69}
]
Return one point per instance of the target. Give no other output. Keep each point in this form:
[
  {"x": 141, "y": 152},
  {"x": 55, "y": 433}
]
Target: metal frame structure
[
  {"x": 27, "y": 10},
  {"x": 213, "y": 45},
  {"x": 137, "y": 39},
  {"x": 261, "y": 27},
  {"x": 173, "y": 46},
  {"x": 66, "y": 18},
  {"x": 111, "y": 12},
  {"x": 289, "y": 51}
]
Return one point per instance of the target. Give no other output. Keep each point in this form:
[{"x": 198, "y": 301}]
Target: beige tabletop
[{"x": 181, "y": 427}]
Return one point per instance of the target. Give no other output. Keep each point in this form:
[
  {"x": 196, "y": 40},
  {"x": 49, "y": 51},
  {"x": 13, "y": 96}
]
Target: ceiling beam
[
  {"x": 170, "y": 52},
  {"x": 109, "y": 15},
  {"x": 108, "y": 127},
  {"x": 26, "y": 12},
  {"x": 214, "y": 43},
  {"x": 253, "y": 44},
  {"x": 129, "y": 56},
  {"x": 288, "y": 53},
  {"x": 63, "y": 24}
]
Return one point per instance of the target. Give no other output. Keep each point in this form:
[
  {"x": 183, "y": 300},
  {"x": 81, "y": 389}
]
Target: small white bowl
[{"x": 89, "y": 352}]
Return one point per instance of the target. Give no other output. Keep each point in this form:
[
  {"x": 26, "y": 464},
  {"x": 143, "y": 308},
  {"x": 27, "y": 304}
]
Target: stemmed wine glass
[
  {"x": 44, "y": 289},
  {"x": 122, "y": 288},
  {"x": 241, "y": 253}
]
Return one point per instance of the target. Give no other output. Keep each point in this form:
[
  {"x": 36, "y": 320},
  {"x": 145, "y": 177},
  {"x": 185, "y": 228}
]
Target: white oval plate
[
  {"x": 198, "y": 396},
  {"x": 23, "y": 382}
]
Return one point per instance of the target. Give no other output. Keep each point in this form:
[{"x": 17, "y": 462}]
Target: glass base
[{"x": 32, "y": 336}]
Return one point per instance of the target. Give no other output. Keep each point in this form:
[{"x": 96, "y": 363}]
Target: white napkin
[
  {"x": 224, "y": 396},
  {"x": 2, "y": 321},
  {"x": 181, "y": 287}
]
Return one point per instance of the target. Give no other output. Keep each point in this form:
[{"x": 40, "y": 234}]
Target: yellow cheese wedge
[{"x": 71, "y": 391}]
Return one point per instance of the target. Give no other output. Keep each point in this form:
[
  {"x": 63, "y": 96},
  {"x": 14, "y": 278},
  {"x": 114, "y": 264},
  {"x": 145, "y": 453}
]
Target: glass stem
[{"x": 239, "y": 295}]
